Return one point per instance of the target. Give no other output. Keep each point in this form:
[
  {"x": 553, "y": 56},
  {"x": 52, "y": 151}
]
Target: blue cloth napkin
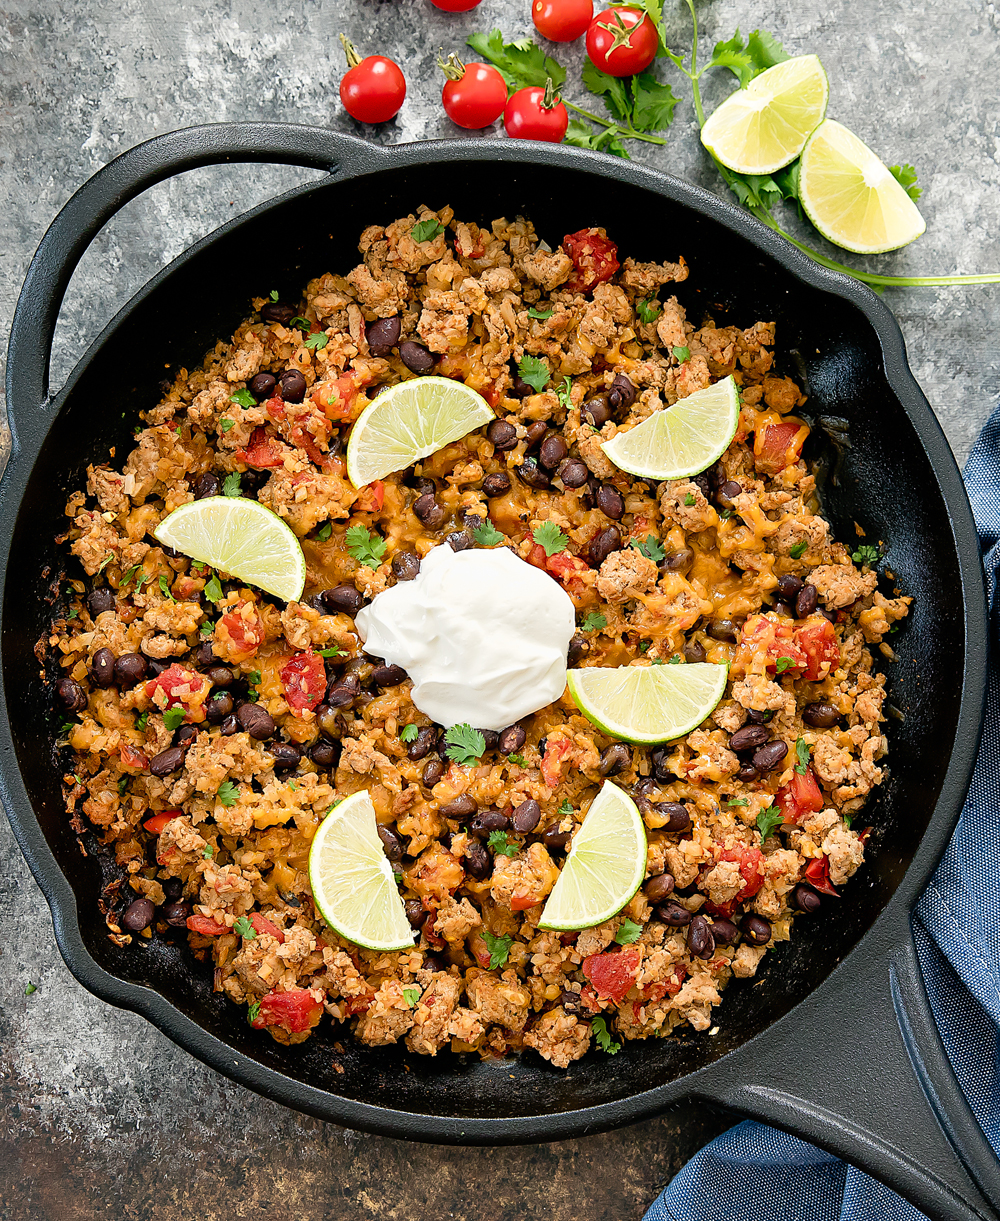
[{"x": 780, "y": 1178}]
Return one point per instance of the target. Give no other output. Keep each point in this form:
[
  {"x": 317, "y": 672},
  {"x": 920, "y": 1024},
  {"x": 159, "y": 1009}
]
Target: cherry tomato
[
  {"x": 455, "y": 6},
  {"x": 372, "y": 89},
  {"x": 562, "y": 20},
  {"x": 622, "y": 41},
  {"x": 476, "y": 97},
  {"x": 529, "y": 115}
]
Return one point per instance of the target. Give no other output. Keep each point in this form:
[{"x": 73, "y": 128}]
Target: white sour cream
[{"x": 482, "y": 634}]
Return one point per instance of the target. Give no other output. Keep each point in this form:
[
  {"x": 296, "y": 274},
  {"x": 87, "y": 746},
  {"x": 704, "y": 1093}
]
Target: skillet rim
[{"x": 29, "y": 434}]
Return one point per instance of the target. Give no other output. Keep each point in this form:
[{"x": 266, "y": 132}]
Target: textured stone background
[{"x": 100, "y": 1114}]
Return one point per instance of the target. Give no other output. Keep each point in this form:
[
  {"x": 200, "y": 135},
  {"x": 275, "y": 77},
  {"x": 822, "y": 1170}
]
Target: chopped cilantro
[
  {"x": 228, "y": 793},
  {"x": 408, "y": 733},
  {"x": 411, "y": 996},
  {"x": 213, "y": 589},
  {"x": 535, "y": 372},
  {"x": 142, "y": 722},
  {"x": 628, "y": 931},
  {"x": 726, "y": 514},
  {"x": 426, "y": 230},
  {"x": 865, "y": 555},
  {"x": 539, "y": 314},
  {"x": 66, "y": 726},
  {"x": 563, "y": 393},
  {"x": 206, "y": 629},
  {"x": 243, "y": 398},
  {"x": 324, "y": 532},
  {"x": 798, "y": 550},
  {"x": 122, "y": 785},
  {"x": 767, "y": 820},
  {"x": 318, "y": 341},
  {"x": 165, "y": 588},
  {"x": 29, "y": 988},
  {"x": 517, "y": 760},
  {"x": 365, "y": 545},
  {"x": 682, "y": 354},
  {"x": 599, "y": 1029},
  {"x": 253, "y": 1012},
  {"x": 243, "y": 928},
  {"x": 73, "y": 613},
  {"x": 847, "y": 820},
  {"x": 565, "y": 809},
  {"x": 648, "y": 310},
  {"x": 501, "y": 845},
  {"x": 397, "y": 877},
  {"x": 803, "y": 750},
  {"x": 302, "y": 323},
  {"x": 689, "y": 499},
  {"x": 173, "y": 718},
  {"x": 549, "y": 536},
  {"x": 906, "y": 176},
  {"x": 274, "y": 294},
  {"x": 644, "y": 646},
  {"x": 465, "y": 744},
  {"x": 226, "y": 423},
  {"x": 487, "y": 535},
  {"x": 208, "y": 852},
  {"x": 675, "y": 660},
  {"x": 593, "y": 622},
  {"x": 231, "y": 485},
  {"x": 499, "y": 948},
  {"x": 103, "y": 564},
  {"x": 334, "y": 650},
  {"x": 652, "y": 549},
  {"x": 736, "y": 801},
  {"x": 785, "y": 663}
]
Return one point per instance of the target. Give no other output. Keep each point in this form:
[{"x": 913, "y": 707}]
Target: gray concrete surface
[{"x": 102, "y": 1116}]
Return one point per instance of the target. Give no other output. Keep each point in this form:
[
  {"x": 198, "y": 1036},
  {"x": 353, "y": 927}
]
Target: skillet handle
[
  {"x": 121, "y": 180},
  {"x": 861, "y": 1071}
]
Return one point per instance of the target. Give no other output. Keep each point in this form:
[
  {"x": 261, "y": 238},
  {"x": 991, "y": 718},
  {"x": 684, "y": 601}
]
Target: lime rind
[
  {"x": 410, "y": 421},
  {"x": 241, "y": 538},
  {"x": 646, "y": 704},
  {"x": 352, "y": 881},
  {"x": 604, "y": 867},
  {"x": 681, "y": 440}
]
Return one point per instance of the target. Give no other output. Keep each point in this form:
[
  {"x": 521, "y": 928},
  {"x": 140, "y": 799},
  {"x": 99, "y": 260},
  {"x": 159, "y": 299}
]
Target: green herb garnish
[
  {"x": 487, "y": 535},
  {"x": 318, "y": 341},
  {"x": 803, "y": 750},
  {"x": 408, "y": 733},
  {"x": 549, "y": 536},
  {"x": 165, "y": 588},
  {"x": 535, "y": 372},
  {"x": 173, "y": 718},
  {"x": 681, "y": 353},
  {"x": 465, "y": 744},
  {"x": 411, "y": 996},
  {"x": 628, "y": 931},
  {"x": 865, "y": 555},
  {"x": 652, "y": 548},
  {"x": 689, "y": 499},
  {"x": 785, "y": 663},
  {"x": 767, "y": 820},
  {"x": 541, "y": 315},
  {"x": 231, "y": 485},
  {"x": 29, "y": 988},
  {"x": 593, "y": 622},
  {"x": 501, "y": 845},
  {"x": 324, "y": 532},
  {"x": 243, "y": 398},
  {"x": 253, "y": 1012},
  {"x": 599, "y": 1029},
  {"x": 333, "y": 650},
  {"x": 213, "y": 589},
  {"x": 243, "y": 928},
  {"x": 228, "y": 793},
  {"x": 648, "y": 310},
  {"x": 426, "y": 230},
  {"x": 365, "y": 545},
  {"x": 798, "y": 550},
  {"x": 499, "y": 948}
]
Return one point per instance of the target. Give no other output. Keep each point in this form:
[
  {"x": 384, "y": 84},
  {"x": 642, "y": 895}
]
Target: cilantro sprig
[
  {"x": 803, "y": 752},
  {"x": 652, "y": 548},
  {"x": 500, "y": 845},
  {"x": 426, "y": 230},
  {"x": 499, "y": 948},
  {"x": 243, "y": 928},
  {"x": 628, "y": 931},
  {"x": 487, "y": 535},
  {"x": 594, "y": 622},
  {"x": 767, "y": 820},
  {"x": 408, "y": 733},
  {"x": 534, "y": 371},
  {"x": 365, "y": 545},
  {"x": 173, "y": 718},
  {"x": 865, "y": 555},
  {"x": 228, "y": 793},
  {"x": 549, "y": 536},
  {"x": 599, "y": 1029},
  {"x": 465, "y": 744}
]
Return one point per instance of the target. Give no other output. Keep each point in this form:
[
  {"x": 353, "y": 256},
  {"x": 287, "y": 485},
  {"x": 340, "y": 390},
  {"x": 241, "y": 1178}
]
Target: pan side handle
[
  {"x": 860, "y": 1070},
  {"x": 100, "y": 197}
]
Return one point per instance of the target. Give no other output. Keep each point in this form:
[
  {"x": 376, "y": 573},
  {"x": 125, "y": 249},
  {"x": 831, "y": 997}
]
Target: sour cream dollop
[{"x": 482, "y": 634}]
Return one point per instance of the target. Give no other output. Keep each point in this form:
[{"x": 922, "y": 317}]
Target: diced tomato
[
  {"x": 776, "y": 446},
  {"x": 818, "y": 641},
  {"x": 538, "y": 557},
  {"x": 132, "y": 759},
  {"x": 521, "y": 902},
  {"x": 239, "y": 633},
  {"x": 588, "y": 998},
  {"x": 818, "y": 876},
  {"x": 178, "y": 687},
  {"x": 567, "y": 568},
  {"x": 339, "y": 398},
  {"x": 264, "y": 926},
  {"x": 594, "y": 256},
  {"x": 480, "y": 950},
  {"x": 156, "y": 824},
  {"x": 799, "y": 797},
  {"x": 766, "y": 639},
  {"x": 206, "y": 926},
  {"x": 261, "y": 452},
  {"x": 296, "y": 1010},
  {"x": 612, "y": 973},
  {"x": 371, "y": 498},
  {"x": 751, "y": 861},
  {"x": 677, "y": 976},
  {"x": 304, "y": 680},
  {"x": 553, "y": 761},
  {"x": 358, "y": 1004}
]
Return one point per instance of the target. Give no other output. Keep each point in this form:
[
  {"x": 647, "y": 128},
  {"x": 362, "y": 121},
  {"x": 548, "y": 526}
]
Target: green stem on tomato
[{"x": 628, "y": 132}]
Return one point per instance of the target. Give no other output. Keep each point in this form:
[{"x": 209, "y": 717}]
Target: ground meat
[
  {"x": 840, "y": 584},
  {"x": 625, "y": 575},
  {"x": 559, "y": 1037},
  {"x": 433, "y": 1014},
  {"x": 683, "y": 503},
  {"x": 547, "y": 268},
  {"x": 502, "y": 1001},
  {"x": 528, "y": 876},
  {"x": 456, "y": 920},
  {"x": 388, "y": 1017}
]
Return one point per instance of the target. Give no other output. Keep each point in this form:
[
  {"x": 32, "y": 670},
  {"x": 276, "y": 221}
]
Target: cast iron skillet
[{"x": 835, "y": 1040}]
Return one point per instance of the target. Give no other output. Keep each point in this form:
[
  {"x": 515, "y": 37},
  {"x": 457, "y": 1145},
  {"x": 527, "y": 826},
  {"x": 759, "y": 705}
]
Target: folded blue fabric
[{"x": 780, "y": 1178}]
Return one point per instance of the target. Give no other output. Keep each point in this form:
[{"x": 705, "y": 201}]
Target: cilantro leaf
[
  {"x": 122, "y": 786},
  {"x": 142, "y": 722},
  {"x": 426, "y": 230},
  {"x": 366, "y": 546},
  {"x": 613, "y": 90},
  {"x": 787, "y": 181},
  {"x": 522, "y": 62},
  {"x": 213, "y": 589},
  {"x": 499, "y": 948},
  {"x": 243, "y": 398},
  {"x": 408, "y": 733},
  {"x": 652, "y": 549},
  {"x": 732, "y": 54},
  {"x": 465, "y": 744},
  {"x": 865, "y": 555},
  {"x": 565, "y": 808},
  {"x": 736, "y": 801},
  {"x": 689, "y": 499},
  {"x": 563, "y": 393},
  {"x": 906, "y": 176},
  {"x": 628, "y": 931},
  {"x": 594, "y": 622},
  {"x": 549, "y": 536},
  {"x": 253, "y": 1012},
  {"x": 231, "y": 485},
  {"x": 165, "y": 588},
  {"x": 681, "y": 354},
  {"x": 334, "y": 650},
  {"x": 798, "y": 550},
  {"x": 243, "y": 928},
  {"x": 652, "y": 103},
  {"x": 411, "y": 996},
  {"x": 803, "y": 751},
  {"x": 226, "y": 423},
  {"x": 755, "y": 190},
  {"x": 228, "y": 793},
  {"x": 540, "y": 314},
  {"x": 487, "y": 535},
  {"x": 499, "y": 844},
  {"x": 29, "y": 988},
  {"x": 274, "y": 294},
  {"x": 604, "y": 141},
  {"x": 208, "y": 851},
  {"x": 765, "y": 51},
  {"x": 173, "y": 718},
  {"x": 324, "y": 532},
  {"x": 648, "y": 310},
  {"x": 767, "y": 820},
  {"x": 318, "y": 341},
  {"x": 785, "y": 663},
  {"x": 518, "y": 760},
  {"x": 535, "y": 372},
  {"x": 599, "y": 1029},
  {"x": 302, "y": 323},
  {"x": 674, "y": 661}
]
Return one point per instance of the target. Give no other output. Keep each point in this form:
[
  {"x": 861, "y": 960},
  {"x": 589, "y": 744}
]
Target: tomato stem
[
  {"x": 353, "y": 58},
  {"x": 452, "y": 67},
  {"x": 550, "y": 99}
]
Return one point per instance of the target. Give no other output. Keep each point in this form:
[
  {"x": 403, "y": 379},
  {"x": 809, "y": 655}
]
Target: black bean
[
  {"x": 416, "y": 357},
  {"x": 392, "y": 845},
  {"x": 230, "y": 726},
  {"x": 339, "y": 696},
  {"x": 610, "y": 502},
  {"x": 285, "y": 755},
  {"x": 488, "y": 821},
  {"x": 102, "y": 669},
  {"x": 100, "y": 600},
  {"x": 821, "y": 715},
  {"x": 602, "y": 545},
  {"x": 185, "y": 735},
  {"x": 722, "y": 629},
  {"x": 219, "y": 676},
  {"x": 388, "y": 676},
  {"x": 700, "y": 941},
  {"x": 423, "y": 743},
  {"x": 677, "y": 561},
  {"x": 532, "y": 474},
  {"x": 293, "y": 386},
  {"x": 784, "y": 610},
  {"x": 130, "y": 669},
  {"x": 570, "y": 1001},
  {"x": 477, "y": 860},
  {"x": 502, "y": 435},
  {"x": 678, "y": 816},
  {"x": 724, "y": 932},
  {"x": 323, "y": 754},
  {"x": 694, "y": 651},
  {"x": 577, "y": 647},
  {"x": 257, "y": 723},
  {"x": 806, "y": 602},
  {"x": 596, "y": 410},
  {"x": 218, "y": 706},
  {"x": 728, "y": 492},
  {"x": 343, "y": 598},
  {"x": 552, "y": 451},
  {"x": 416, "y": 913},
  {"x": 434, "y": 962},
  {"x": 747, "y": 772},
  {"x": 534, "y": 432},
  {"x": 622, "y": 393},
  {"x": 430, "y": 513},
  {"x": 554, "y": 838},
  {"x": 805, "y": 898},
  {"x": 167, "y": 761},
  {"x": 766, "y": 758},
  {"x": 432, "y": 773},
  {"x": 789, "y": 586},
  {"x": 659, "y": 887},
  {"x": 512, "y": 739},
  {"x": 422, "y": 486},
  {"x": 519, "y": 388},
  {"x": 750, "y": 737},
  {"x": 405, "y": 565},
  {"x": 262, "y": 386},
  {"x": 496, "y": 485},
  {"x": 661, "y": 768},
  {"x": 274, "y": 311},
  {"x": 176, "y": 914},
  {"x": 758, "y": 716},
  {"x": 204, "y": 655},
  {"x": 491, "y": 738},
  {"x": 526, "y": 816},
  {"x": 573, "y": 473},
  {"x": 614, "y": 758},
  {"x": 173, "y": 888},
  {"x": 756, "y": 929},
  {"x": 383, "y": 335},
  {"x": 829, "y": 615},
  {"x": 463, "y": 806},
  {"x": 673, "y": 914},
  {"x": 138, "y": 915},
  {"x": 460, "y": 540},
  {"x": 72, "y": 695}
]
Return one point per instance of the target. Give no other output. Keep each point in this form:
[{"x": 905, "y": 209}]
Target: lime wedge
[
  {"x": 759, "y": 129},
  {"x": 409, "y": 421},
  {"x": 851, "y": 196},
  {"x": 239, "y": 537},
  {"x": 647, "y": 703},
  {"x": 605, "y": 865},
  {"x": 352, "y": 881},
  {"x": 680, "y": 440}
]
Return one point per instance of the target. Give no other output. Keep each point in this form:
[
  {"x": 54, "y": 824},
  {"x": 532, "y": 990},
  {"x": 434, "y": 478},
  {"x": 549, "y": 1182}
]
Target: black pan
[{"x": 834, "y": 1040}]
